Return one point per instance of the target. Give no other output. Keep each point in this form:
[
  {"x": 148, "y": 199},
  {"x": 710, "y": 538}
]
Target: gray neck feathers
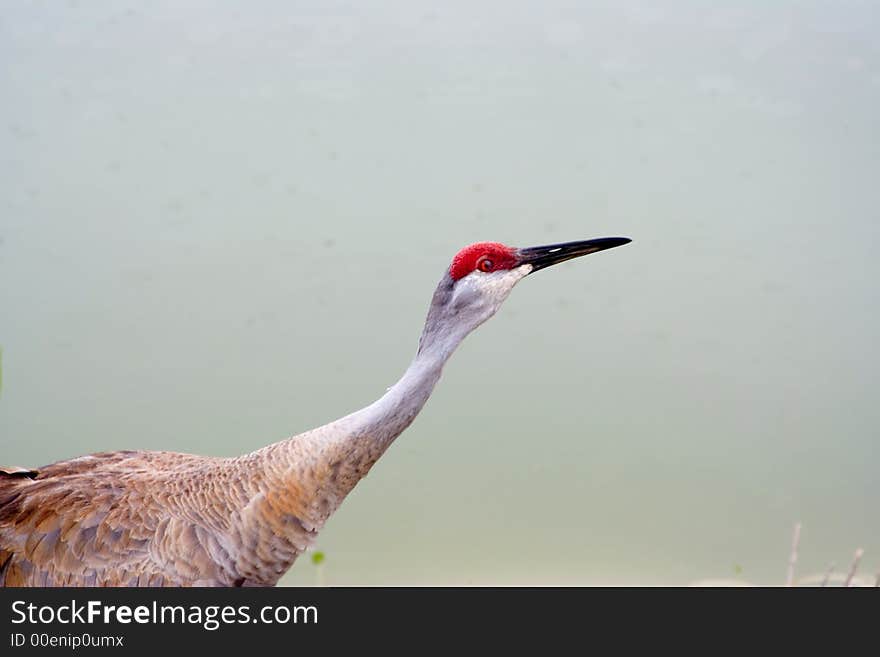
[
  {"x": 347, "y": 448},
  {"x": 386, "y": 418}
]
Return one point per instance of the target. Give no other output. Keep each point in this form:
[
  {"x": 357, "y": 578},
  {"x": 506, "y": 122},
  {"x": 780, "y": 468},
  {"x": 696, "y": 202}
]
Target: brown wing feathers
[{"x": 105, "y": 519}]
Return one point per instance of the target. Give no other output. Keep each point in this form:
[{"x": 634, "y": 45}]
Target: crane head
[
  {"x": 488, "y": 257},
  {"x": 481, "y": 277}
]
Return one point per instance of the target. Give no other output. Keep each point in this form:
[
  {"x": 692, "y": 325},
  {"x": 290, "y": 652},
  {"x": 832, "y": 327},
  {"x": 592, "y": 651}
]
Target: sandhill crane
[{"x": 140, "y": 518}]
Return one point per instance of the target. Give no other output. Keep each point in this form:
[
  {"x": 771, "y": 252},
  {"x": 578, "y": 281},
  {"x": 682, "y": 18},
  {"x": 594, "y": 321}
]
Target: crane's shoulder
[
  {"x": 127, "y": 486},
  {"x": 112, "y": 517}
]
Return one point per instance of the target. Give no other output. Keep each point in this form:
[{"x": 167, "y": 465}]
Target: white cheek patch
[
  {"x": 499, "y": 284},
  {"x": 491, "y": 288}
]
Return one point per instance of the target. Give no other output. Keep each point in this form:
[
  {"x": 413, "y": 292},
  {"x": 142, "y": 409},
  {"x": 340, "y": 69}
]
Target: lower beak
[{"x": 551, "y": 254}]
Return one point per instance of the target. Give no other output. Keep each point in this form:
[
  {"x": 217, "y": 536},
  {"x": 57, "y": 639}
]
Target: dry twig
[
  {"x": 828, "y": 574},
  {"x": 855, "y": 566},
  {"x": 792, "y": 560}
]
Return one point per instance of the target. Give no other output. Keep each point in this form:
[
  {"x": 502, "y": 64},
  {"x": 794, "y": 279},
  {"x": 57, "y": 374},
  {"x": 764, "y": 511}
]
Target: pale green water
[{"x": 221, "y": 224}]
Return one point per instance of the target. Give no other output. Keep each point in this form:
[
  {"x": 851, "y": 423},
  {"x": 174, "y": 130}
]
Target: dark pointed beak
[{"x": 551, "y": 254}]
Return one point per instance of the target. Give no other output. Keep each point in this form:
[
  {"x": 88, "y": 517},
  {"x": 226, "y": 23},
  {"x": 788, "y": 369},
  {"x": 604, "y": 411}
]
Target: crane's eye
[{"x": 485, "y": 264}]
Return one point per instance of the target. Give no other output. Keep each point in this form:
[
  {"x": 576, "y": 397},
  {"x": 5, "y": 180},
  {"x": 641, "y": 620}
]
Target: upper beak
[{"x": 544, "y": 256}]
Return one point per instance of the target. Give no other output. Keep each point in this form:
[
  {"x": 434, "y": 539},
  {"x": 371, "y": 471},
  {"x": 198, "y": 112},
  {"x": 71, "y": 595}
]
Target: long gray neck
[
  {"x": 301, "y": 481},
  {"x": 309, "y": 475},
  {"x": 386, "y": 418},
  {"x": 382, "y": 421}
]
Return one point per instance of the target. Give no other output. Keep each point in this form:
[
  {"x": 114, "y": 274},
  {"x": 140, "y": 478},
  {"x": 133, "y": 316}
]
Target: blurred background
[{"x": 221, "y": 224}]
